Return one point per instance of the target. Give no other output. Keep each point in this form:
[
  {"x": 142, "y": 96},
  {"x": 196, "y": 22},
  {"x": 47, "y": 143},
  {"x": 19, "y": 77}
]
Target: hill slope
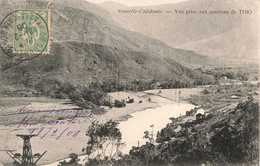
[
  {"x": 215, "y": 35},
  {"x": 86, "y": 47}
]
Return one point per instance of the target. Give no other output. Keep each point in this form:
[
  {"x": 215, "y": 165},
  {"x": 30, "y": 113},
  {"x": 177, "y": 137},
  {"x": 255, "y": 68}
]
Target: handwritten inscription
[
  {"x": 75, "y": 112},
  {"x": 25, "y": 122},
  {"x": 54, "y": 132},
  {"x": 48, "y": 126}
]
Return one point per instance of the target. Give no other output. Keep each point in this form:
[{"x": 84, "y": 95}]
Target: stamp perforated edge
[{"x": 49, "y": 34}]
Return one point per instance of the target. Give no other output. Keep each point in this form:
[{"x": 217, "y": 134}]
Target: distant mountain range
[
  {"x": 228, "y": 36},
  {"x": 87, "y": 45}
]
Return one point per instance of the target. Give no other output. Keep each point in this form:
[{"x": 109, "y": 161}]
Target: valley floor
[
  {"x": 213, "y": 99},
  {"x": 60, "y": 148}
]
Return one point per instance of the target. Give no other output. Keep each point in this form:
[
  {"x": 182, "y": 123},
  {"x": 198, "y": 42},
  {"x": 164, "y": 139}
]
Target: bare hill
[
  {"x": 87, "y": 46},
  {"x": 216, "y": 35}
]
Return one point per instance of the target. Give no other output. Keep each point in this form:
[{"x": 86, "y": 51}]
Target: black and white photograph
[{"x": 129, "y": 82}]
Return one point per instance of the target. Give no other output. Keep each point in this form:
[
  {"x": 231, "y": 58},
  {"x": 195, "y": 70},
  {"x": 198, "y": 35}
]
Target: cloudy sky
[{"x": 139, "y": 2}]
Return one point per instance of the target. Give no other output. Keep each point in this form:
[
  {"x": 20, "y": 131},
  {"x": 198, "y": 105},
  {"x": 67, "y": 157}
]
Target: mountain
[
  {"x": 220, "y": 35},
  {"x": 86, "y": 22},
  {"x": 87, "y": 46}
]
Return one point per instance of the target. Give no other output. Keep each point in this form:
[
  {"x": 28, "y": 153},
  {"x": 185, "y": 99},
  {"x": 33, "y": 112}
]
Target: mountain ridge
[
  {"x": 89, "y": 49},
  {"x": 189, "y": 31}
]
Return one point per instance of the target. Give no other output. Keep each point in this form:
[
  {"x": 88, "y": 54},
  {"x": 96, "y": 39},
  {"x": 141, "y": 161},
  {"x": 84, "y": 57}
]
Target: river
[
  {"x": 133, "y": 129},
  {"x": 162, "y": 105}
]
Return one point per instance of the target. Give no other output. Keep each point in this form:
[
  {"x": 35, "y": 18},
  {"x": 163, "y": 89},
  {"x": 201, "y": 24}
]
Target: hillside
[
  {"x": 84, "y": 62},
  {"x": 86, "y": 47},
  {"x": 86, "y": 22},
  {"x": 227, "y": 133},
  {"x": 215, "y": 35}
]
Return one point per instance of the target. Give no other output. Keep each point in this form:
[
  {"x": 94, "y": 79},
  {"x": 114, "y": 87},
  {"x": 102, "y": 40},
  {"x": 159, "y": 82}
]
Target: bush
[
  {"x": 130, "y": 101},
  {"x": 75, "y": 97},
  {"x": 99, "y": 111},
  {"x": 191, "y": 112},
  {"x": 194, "y": 130},
  {"x": 53, "y": 88},
  {"x": 94, "y": 96},
  {"x": 209, "y": 116},
  {"x": 107, "y": 103},
  {"x": 205, "y": 91},
  {"x": 87, "y": 98},
  {"x": 119, "y": 104},
  {"x": 73, "y": 161},
  {"x": 84, "y": 104}
]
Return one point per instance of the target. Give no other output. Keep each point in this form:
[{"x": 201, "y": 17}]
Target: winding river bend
[
  {"x": 156, "y": 108},
  {"x": 133, "y": 129}
]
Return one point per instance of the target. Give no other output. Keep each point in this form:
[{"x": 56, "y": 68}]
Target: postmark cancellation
[{"x": 31, "y": 31}]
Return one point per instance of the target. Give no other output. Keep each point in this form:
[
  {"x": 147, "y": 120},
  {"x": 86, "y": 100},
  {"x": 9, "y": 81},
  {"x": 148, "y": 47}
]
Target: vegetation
[
  {"x": 98, "y": 111},
  {"x": 226, "y": 137},
  {"x": 130, "y": 101},
  {"x": 238, "y": 139},
  {"x": 104, "y": 143},
  {"x": 54, "y": 88},
  {"x": 230, "y": 140},
  {"x": 94, "y": 95},
  {"x": 231, "y": 73},
  {"x": 119, "y": 103},
  {"x": 149, "y": 135},
  {"x": 73, "y": 161}
]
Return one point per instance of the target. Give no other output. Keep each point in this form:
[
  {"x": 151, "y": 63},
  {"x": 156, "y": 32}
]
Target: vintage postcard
[{"x": 129, "y": 82}]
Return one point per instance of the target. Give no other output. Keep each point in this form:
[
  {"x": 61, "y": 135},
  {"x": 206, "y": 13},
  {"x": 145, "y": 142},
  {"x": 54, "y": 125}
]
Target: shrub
[
  {"x": 108, "y": 103},
  {"x": 94, "y": 96},
  {"x": 205, "y": 91},
  {"x": 75, "y": 97},
  {"x": 119, "y": 104},
  {"x": 99, "y": 111},
  {"x": 194, "y": 130},
  {"x": 84, "y": 104},
  {"x": 191, "y": 112},
  {"x": 73, "y": 161},
  {"x": 130, "y": 101}
]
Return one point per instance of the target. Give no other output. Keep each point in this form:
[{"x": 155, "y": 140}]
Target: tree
[
  {"x": 73, "y": 161},
  {"x": 104, "y": 143},
  {"x": 149, "y": 135},
  {"x": 92, "y": 95}
]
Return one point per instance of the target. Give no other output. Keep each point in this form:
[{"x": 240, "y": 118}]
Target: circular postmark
[{"x": 24, "y": 34}]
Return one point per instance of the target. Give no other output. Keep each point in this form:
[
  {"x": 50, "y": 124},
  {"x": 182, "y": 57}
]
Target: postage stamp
[{"x": 31, "y": 31}]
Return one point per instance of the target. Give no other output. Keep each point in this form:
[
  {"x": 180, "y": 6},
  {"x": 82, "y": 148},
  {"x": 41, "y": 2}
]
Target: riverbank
[
  {"x": 227, "y": 133},
  {"x": 61, "y": 148},
  {"x": 219, "y": 102}
]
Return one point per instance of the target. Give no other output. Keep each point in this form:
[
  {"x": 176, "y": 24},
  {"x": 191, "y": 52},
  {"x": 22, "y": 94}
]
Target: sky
[{"x": 138, "y": 2}]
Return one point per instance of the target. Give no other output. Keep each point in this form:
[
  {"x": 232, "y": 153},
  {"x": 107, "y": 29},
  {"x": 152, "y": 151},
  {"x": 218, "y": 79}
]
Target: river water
[{"x": 133, "y": 129}]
